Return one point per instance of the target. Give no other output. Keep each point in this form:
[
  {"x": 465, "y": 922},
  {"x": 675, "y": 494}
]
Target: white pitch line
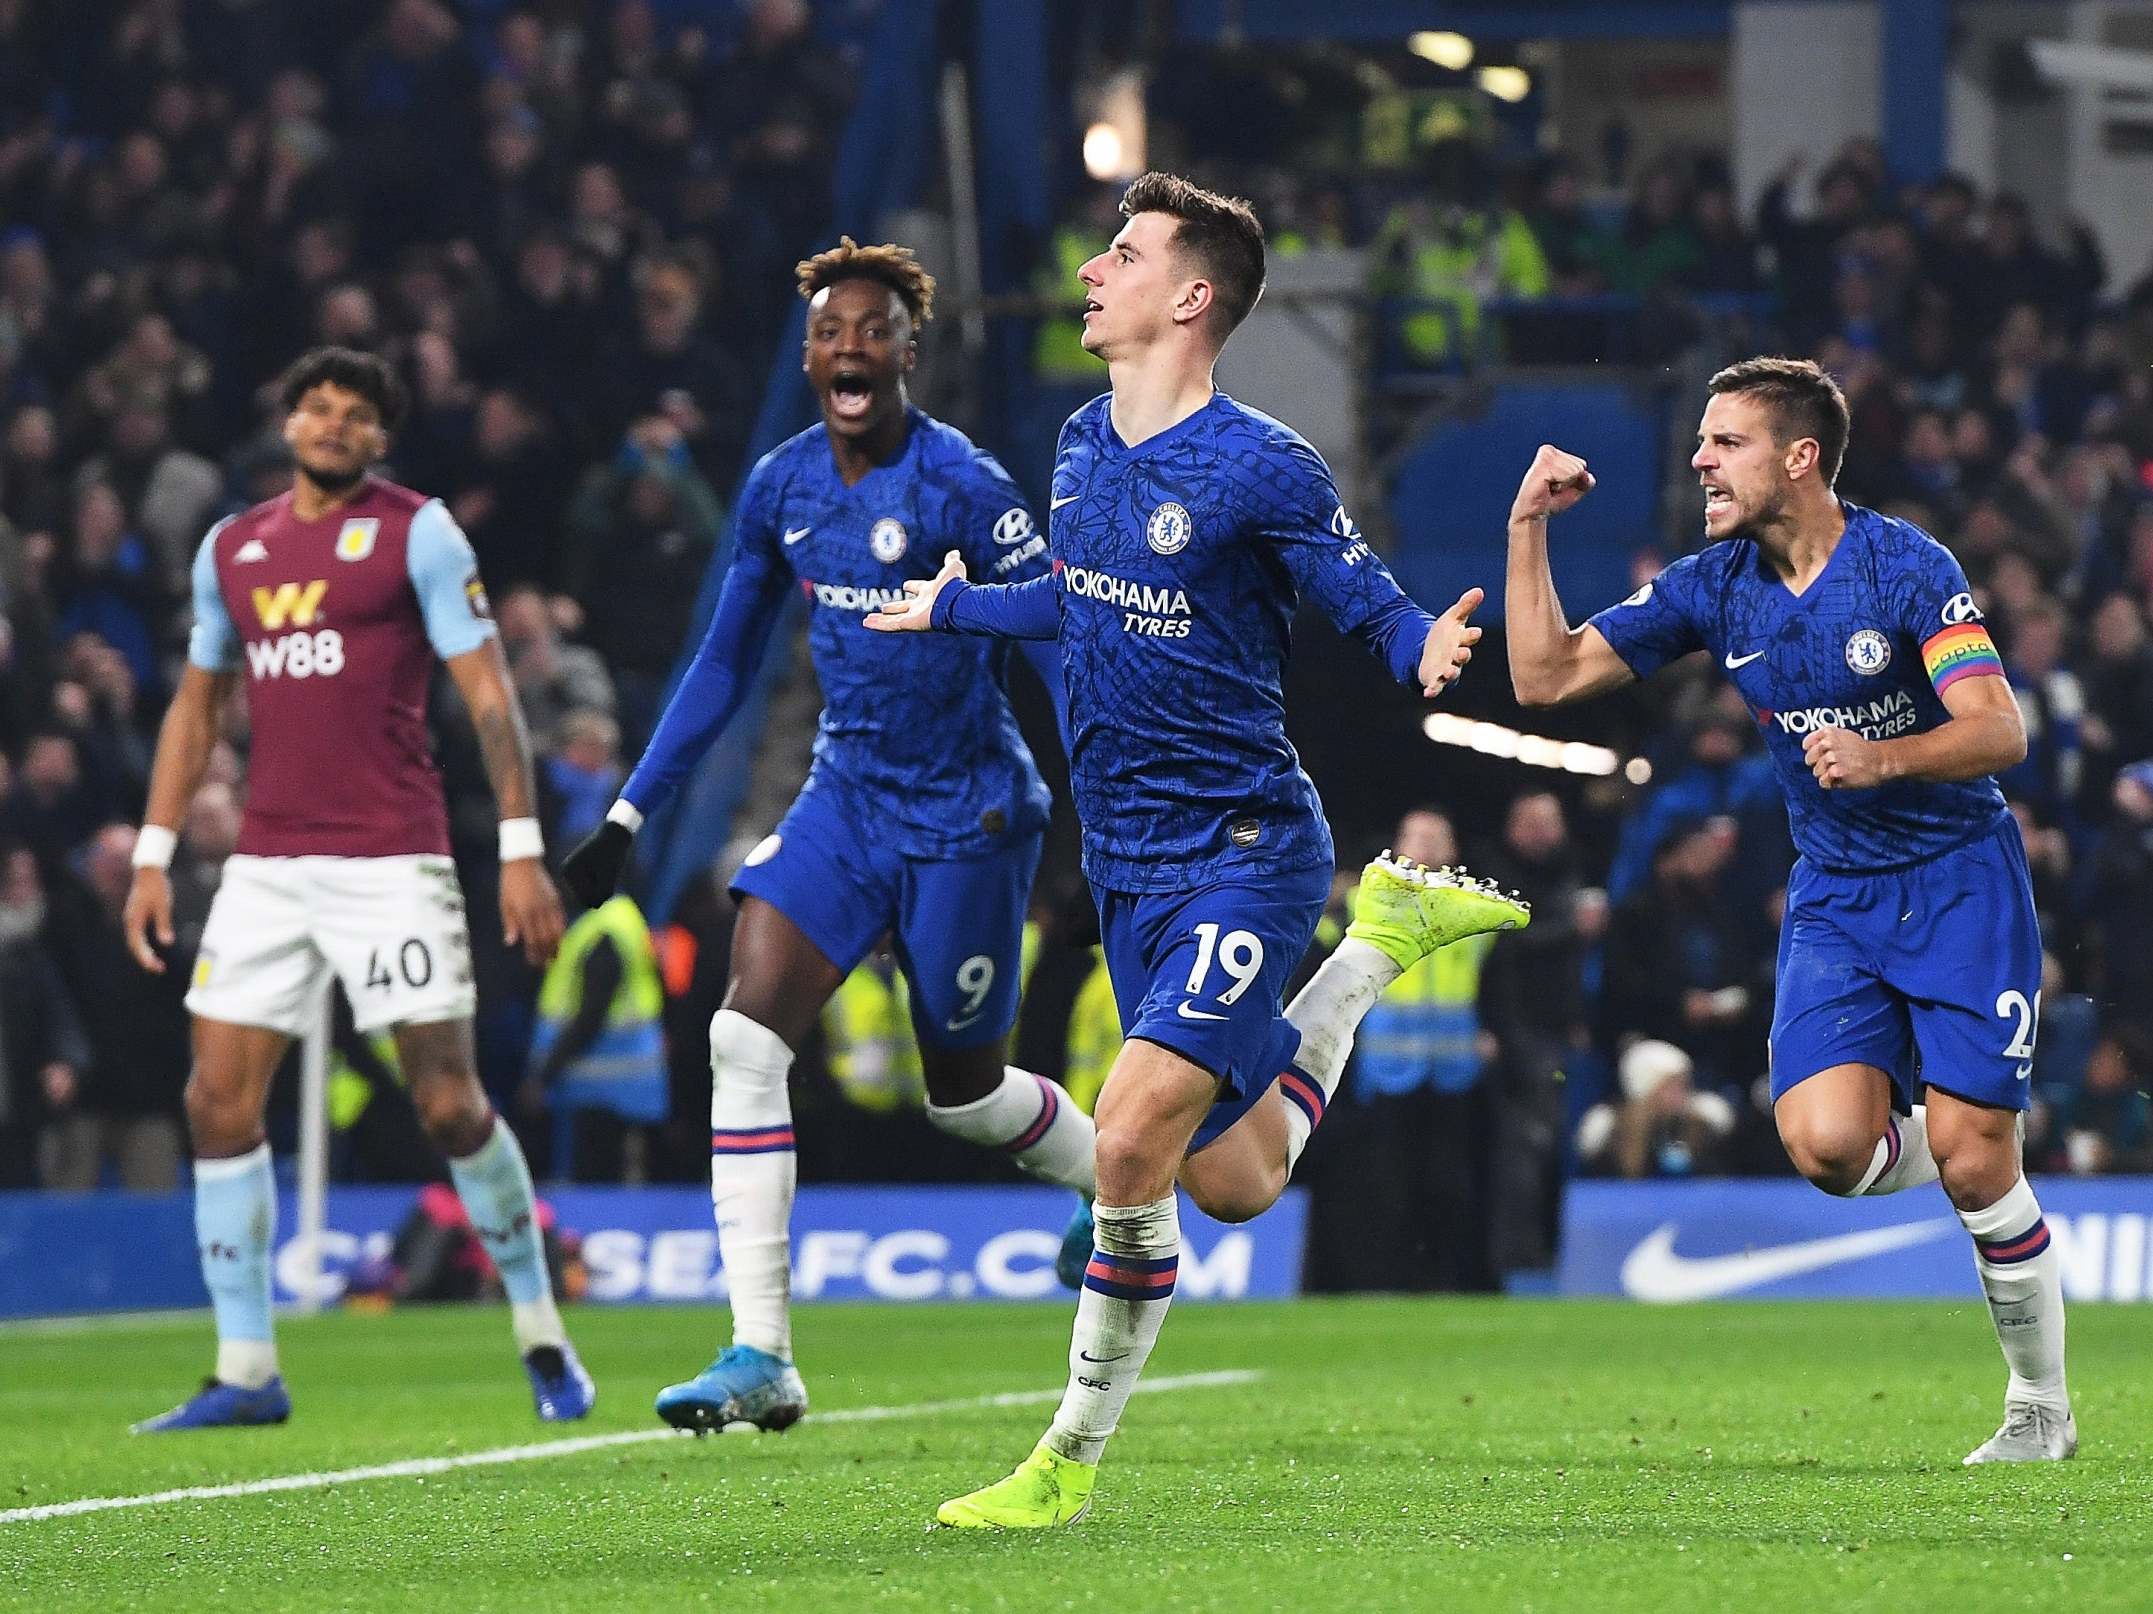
[{"x": 416, "y": 1467}]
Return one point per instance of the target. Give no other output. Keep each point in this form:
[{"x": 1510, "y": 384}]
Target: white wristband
[
  {"x": 154, "y": 845},
  {"x": 626, "y": 814},
  {"x": 521, "y": 838}
]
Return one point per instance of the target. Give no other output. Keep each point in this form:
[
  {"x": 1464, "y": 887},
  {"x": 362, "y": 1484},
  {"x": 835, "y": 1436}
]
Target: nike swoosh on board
[{"x": 1653, "y": 1271}]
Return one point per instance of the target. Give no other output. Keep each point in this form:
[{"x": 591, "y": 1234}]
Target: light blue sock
[
  {"x": 495, "y": 1186},
  {"x": 235, "y": 1217}
]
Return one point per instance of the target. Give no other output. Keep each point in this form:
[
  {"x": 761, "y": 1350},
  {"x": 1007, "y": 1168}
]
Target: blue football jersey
[
  {"x": 1886, "y": 626},
  {"x": 1181, "y": 561},
  {"x": 916, "y": 729}
]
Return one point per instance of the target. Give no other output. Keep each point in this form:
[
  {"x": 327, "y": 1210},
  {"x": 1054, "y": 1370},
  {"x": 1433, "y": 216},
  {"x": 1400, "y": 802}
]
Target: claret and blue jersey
[{"x": 1870, "y": 645}]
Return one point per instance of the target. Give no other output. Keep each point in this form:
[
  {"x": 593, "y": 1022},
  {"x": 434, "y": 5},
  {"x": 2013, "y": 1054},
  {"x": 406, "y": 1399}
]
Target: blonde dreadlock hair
[{"x": 888, "y": 264}]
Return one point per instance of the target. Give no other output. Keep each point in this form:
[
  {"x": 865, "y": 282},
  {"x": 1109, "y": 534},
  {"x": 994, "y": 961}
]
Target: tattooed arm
[{"x": 530, "y": 907}]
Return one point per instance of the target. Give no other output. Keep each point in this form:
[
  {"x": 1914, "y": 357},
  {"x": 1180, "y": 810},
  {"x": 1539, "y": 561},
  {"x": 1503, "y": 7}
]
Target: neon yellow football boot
[
  {"x": 1408, "y": 910},
  {"x": 1047, "y": 1489}
]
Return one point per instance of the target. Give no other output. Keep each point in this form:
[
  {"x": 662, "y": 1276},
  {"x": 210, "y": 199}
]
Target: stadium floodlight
[
  {"x": 1505, "y": 83},
  {"x": 2100, "y": 67},
  {"x": 1533, "y": 750},
  {"x": 1440, "y": 46},
  {"x": 1102, "y": 151}
]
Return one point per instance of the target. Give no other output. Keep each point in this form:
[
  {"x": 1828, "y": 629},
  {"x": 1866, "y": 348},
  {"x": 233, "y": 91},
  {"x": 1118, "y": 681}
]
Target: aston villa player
[{"x": 332, "y": 601}]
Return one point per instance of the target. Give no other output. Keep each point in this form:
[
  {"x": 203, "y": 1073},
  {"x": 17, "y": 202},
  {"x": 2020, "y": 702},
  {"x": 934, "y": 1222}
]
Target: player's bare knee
[
  {"x": 1239, "y": 1200},
  {"x": 454, "y": 1113},
  {"x": 440, "y": 1065},
  {"x": 1131, "y": 1166},
  {"x": 1830, "y": 1154},
  {"x": 1976, "y": 1152},
  {"x": 220, "y": 1121}
]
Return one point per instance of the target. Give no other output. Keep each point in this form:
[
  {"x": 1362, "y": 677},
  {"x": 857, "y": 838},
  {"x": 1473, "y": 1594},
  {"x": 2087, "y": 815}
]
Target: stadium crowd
[
  {"x": 571, "y": 227},
  {"x": 2001, "y": 398}
]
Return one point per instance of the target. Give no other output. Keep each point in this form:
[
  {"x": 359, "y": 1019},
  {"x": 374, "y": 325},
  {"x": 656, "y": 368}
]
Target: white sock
[
  {"x": 2023, "y": 1279},
  {"x": 248, "y": 1363},
  {"x": 752, "y": 1173},
  {"x": 1136, "y": 1255},
  {"x": 1902, "y": 1158},
  {"x": 1031, "y": 1120},
  {"x": 536, "y": 1322},
  {"x": 1327, "y": 1012}
]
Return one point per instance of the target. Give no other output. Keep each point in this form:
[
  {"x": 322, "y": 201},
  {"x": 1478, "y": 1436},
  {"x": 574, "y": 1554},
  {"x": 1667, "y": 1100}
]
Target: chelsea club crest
[
  {"x": 1868, "y": 651},
  {"x": 1169, "y": 529},
  {"x": 887, "y": 539}
]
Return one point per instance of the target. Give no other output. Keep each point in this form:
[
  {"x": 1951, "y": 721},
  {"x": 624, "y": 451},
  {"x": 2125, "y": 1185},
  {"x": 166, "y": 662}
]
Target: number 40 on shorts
[{"x": 413, "y": 960}]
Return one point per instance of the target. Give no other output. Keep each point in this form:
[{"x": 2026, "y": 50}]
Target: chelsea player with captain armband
[
  {"x": 1910, "y": 950},
  {"x": 1184, "y": 527}
]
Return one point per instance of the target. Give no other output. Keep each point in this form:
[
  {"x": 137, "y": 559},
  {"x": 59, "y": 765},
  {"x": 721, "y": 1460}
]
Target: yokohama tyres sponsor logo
[
  {"x": 1873, "y": 720},
  {"x": 845, "y": 597},
  {"x": 1153, "y": 610}
]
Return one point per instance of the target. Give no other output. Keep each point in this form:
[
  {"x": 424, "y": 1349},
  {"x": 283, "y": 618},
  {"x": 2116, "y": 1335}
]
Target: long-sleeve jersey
[{"x": 1177, "y": 565}]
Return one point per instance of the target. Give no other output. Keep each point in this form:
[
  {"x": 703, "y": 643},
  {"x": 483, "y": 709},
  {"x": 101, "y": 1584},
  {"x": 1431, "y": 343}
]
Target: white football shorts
[{"x": 392, "y": 928}]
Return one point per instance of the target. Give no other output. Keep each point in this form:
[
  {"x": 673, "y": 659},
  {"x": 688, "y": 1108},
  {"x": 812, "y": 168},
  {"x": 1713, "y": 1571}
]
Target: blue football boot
[
  {"x": 223, "y": 1406},
  {"x": 1075, "y": 1254},
  {"x": 744, "y": 1385},
  {"x": 560, "y": 1388}
]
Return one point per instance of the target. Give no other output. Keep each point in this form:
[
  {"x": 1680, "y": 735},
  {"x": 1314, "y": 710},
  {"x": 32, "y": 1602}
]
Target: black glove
[{"x": 592, "y": 871}]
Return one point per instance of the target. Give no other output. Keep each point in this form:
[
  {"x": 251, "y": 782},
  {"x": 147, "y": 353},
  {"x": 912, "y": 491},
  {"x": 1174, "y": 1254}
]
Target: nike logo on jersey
[
  {"x": 794, "y": 534},
  {"x": 1734, "y": 661},
  {"x": 1188, "y": 1013},
  {"x": 252, "y": 549},
  {"x": 960, "y": 1024},
  {"x": 2025, "y": 1072},
  {"x": 1653, "y": 1271},
  {"x": 1056, "y": 504}
]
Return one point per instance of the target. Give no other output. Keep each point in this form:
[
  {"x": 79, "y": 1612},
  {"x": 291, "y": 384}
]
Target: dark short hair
[
  {"x": 367, "y": 374},
  {"x": 1221, "y": 235},
  {"x": 1803, "y": 400}
]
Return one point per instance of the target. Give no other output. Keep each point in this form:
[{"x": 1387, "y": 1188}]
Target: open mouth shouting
[{"x": 852, "y": 395}]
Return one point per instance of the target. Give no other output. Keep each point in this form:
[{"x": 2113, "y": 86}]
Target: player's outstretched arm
[
  {"x": 750, "y": 601},
  {"x": 947, "y": 603},
  {"x": 184, "y": 742},
  {"x": 1550, "y": 662},
  {"x": 916, "y": 614},
  {"x": 1985, "y": 735},
  {"x": 530, "y": 907}
]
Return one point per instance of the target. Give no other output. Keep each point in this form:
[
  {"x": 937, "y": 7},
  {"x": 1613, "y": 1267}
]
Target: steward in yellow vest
[{"x": 599, "y": 1042}]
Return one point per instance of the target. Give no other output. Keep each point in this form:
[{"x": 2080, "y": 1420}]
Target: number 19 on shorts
[{"x": 1238, "y": 953}]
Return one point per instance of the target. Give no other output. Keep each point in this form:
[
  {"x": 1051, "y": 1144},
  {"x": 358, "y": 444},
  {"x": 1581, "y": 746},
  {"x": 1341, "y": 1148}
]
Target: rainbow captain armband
[{"x": 1963, "y": 650}]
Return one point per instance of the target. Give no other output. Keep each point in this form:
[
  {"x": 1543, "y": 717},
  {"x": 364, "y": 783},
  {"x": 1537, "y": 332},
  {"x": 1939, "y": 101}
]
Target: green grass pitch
[{"x": 1394, "y": 1454}]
